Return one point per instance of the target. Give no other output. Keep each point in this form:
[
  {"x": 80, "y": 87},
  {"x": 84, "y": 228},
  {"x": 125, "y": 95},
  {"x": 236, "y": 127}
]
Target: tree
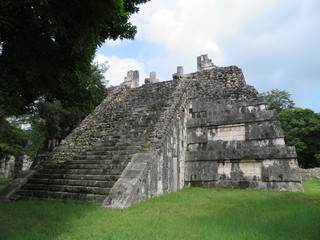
[
  {"x": 47, "y": 47},
  {"x": 302, "y": 129},
  {"x": 59, "y": 119},
  {"x": 279, "y": 100},
  {"x": 14, "y": 139},
  {"x": 47, "y": 122}
]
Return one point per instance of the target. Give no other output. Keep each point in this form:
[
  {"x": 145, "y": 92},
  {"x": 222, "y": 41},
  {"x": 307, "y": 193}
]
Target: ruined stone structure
[
  {"x": 307, "y": 174},
  {"x": 132, "y": 79},
  {"x": 11, "y": 166},
  {"x": 6, "y": 166},
  {"x": 152, "y": 79},
  {"x": 207, "y": 128}
]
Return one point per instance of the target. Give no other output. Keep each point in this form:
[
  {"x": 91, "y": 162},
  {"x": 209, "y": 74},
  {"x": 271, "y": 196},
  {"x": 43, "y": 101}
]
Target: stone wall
[
  {"x": 310, "y": 173},
  {"x": 11, "y": 166},
  {"x": 6, "y": 166},
  {"x": 232, "y": 140}
]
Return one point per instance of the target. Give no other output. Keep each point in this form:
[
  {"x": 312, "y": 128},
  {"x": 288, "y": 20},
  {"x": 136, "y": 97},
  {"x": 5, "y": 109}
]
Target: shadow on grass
[{"x": 32, "y": 219}]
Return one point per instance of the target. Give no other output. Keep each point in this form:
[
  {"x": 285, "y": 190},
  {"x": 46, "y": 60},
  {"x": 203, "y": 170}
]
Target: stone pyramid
[{"x": 204, "y": 129}]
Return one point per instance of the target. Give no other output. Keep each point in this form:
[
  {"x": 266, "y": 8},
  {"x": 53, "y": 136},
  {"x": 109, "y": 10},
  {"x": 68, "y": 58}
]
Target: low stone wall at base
[
  {"x": 254, "y": 185},
  {"x": 309, "y": 173}
]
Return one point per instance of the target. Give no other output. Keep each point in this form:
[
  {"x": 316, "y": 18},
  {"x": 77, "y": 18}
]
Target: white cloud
[
  {"x": 119, "y": 68},
  {"x": 275, "y": 42},
  {"x": 112, "y": 43},
  {"x": 188, "y": 28}
]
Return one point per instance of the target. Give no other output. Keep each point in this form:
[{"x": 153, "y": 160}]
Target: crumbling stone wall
[
  {"x": 21, "y": 163},
  {"x": 11, "y": 166},
  {"x": 6, "y": 166},
  {"x": 310, "y": 173}
]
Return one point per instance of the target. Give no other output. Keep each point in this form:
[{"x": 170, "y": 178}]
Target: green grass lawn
[{"x": 188, "y": 214}]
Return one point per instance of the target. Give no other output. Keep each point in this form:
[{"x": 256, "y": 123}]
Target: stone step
[
  {"x": 109, "y": 157},
  {"x": 67, "y": 188},
  {"x": 81, "y": 166},
  {"x": 123, "y": 139},
  {"x": 36, "y": 194},
  {"x": 78, "y": 177},
  {"x": 94, "y": 155},
  {"x": 108, "y": 148},
  {"x": 115, "y": 149},
  {"x": 87, "y": 183},
  {"x": 86, "y": 161},
  {"x": 82, "y": 171}
]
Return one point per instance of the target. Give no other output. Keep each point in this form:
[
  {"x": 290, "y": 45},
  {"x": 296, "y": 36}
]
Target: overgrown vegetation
[
  {"x": 188, "y": 214},
  {"x": 301, "y": 127}
]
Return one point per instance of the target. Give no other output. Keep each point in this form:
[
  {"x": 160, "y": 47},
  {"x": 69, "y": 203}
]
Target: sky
[{"x": 276, "y": 43}]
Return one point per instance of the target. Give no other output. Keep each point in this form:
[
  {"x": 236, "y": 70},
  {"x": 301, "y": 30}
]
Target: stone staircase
[{"x": 90, "y": 175}]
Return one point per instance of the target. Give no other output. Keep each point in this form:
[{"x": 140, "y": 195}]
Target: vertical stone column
[
  {"x": 180, "y": 70},
  {"x": 132, "y": 79},
  {"x": 153, "y": 78},
  {"x": 6, "y": 166},
  {"x": 21, "y": 164},
  {"x": 179, "y": 73},
  {"x": 2, "y": 166},
  {"x": 204, "y": 63},
  {"x": 135, "y": 79}
]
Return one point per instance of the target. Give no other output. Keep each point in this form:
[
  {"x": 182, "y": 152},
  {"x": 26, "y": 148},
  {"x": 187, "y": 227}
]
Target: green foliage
[
  {"x": 37, "y": 136},
  {"x": 279, "y": 100},
  {"x": 301, "y": 127},
  {"x": 47, "y": 47},
  {"x": 302, "y": 130},
  {"x": 188, "y": 214},
  {"x": 60, "y": 118},
  {"x": 48, "y": 120},
  {"x": 14, "y": 139}
]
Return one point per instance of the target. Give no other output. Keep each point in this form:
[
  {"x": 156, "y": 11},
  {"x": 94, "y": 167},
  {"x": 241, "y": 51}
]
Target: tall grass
[{"x": 188, "y": 214}]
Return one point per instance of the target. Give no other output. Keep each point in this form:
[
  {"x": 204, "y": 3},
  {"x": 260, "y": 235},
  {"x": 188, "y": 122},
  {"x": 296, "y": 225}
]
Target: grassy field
[{"x": 188, "y": 214}]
